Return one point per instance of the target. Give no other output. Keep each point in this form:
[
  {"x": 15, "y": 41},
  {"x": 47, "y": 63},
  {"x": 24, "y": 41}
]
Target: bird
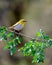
[{"x": 19, "y": 25}]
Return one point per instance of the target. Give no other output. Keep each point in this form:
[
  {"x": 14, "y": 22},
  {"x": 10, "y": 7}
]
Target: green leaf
[
  {"x": 11, "y": 35},
  {"x": 3, "y": 28},
  {"x": 50, "y": 43},
  {"x": 38, "y": 34},
  {"x": 4, "y": 37},
  {"x": 34, "y": 58},
  {"x": 18, "y": 40},
  {"x": 21, "y": 38},
  {"x": 13, "y": 50},
  {"x": 10, "y": 43},
  {"x": 6, "y": 47},
  {"x": 46, "y": 37},
  {"x": 15, "y": 41}
]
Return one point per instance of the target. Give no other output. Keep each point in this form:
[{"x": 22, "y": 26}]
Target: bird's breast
[{"x": 18, "y": 27}]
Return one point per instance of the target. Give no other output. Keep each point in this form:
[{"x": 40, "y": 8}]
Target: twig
[{"x": 20, "y": 34}]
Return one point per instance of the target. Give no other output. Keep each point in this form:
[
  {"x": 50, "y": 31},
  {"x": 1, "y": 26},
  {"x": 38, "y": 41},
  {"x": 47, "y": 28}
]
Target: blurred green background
[{"x": 38, "y": 14}]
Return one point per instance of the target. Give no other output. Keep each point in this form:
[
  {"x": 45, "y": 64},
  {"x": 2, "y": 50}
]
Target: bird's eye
[{"x": 25, "y": 21}]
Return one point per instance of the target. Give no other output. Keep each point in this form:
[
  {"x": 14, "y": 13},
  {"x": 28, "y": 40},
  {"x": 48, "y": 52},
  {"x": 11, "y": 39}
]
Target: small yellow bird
[{"x": 19, "y": 25}]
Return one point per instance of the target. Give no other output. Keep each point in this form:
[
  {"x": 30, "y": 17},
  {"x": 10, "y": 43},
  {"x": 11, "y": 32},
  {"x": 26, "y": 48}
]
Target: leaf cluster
[{"x": 34, "y": 48}]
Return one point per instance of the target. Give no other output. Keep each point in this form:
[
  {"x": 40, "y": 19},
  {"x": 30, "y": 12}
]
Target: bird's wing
[
  {"x": 12, "y": 27},
  {"x": 16, "y": 24},
  {"x": 20, "y": 21}
]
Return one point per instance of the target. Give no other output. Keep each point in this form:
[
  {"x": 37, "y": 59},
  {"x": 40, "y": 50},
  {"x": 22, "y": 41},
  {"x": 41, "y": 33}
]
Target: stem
[{"x": 20, "y": 34}]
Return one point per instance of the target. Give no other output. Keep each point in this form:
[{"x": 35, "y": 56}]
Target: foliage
[
  {"x": 13, "y": 40},
  {"x": 34, "y": 47}
]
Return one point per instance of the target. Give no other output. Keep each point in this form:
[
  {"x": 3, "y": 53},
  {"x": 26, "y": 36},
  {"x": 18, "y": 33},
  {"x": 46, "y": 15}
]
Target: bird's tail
[{"x": 11, "y": 28}]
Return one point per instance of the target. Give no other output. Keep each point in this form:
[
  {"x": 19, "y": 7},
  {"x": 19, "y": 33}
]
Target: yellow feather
[{"x": 19, "y": 22}]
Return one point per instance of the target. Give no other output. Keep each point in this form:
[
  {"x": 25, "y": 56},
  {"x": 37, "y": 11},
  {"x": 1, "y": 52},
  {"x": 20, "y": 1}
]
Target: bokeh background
[{"x": 38, "y": 14}]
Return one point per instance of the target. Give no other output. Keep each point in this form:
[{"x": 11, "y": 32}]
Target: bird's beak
[{"x": 25, "y": 21}]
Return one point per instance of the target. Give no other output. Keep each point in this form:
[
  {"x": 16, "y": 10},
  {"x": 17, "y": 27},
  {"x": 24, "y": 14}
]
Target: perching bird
[{"x": 19, "y": 25}]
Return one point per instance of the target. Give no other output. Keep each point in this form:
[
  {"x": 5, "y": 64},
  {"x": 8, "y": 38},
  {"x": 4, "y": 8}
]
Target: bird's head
[{"x": 23, "y": 20}]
